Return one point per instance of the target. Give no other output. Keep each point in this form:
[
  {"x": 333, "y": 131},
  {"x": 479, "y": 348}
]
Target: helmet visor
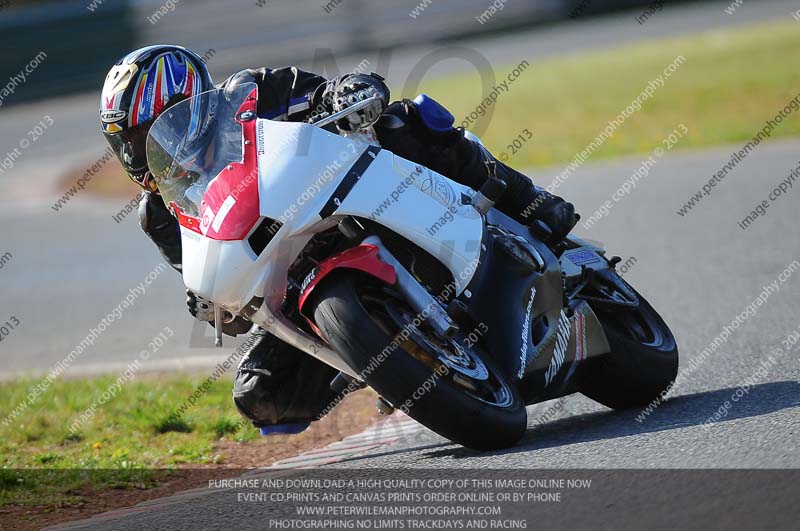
[{"x": 129, "y": 145}]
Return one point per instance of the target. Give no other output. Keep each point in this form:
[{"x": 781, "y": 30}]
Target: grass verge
[
  {"x": 731, "y": 83},
  {"x": 132, "y": 441}
]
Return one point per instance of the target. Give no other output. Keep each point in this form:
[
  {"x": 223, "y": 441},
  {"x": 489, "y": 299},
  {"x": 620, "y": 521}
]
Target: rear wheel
[
  {"x": 643, "y": 361},
  {"x": 445, "y": 384}
]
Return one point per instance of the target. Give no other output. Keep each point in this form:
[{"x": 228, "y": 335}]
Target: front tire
[{"x": 361, "y": 320}]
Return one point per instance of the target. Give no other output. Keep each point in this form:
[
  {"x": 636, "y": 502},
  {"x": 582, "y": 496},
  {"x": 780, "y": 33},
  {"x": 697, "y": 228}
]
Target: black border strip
[{"x": 353, "y": 175}]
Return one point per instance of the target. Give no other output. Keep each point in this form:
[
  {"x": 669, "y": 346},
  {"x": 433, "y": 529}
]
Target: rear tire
[
  {"x": 361, "y": 336},
  {"x": 641, "y": 365}
]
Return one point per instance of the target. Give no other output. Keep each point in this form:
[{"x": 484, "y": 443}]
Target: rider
[{"x": 278, "y": 387}]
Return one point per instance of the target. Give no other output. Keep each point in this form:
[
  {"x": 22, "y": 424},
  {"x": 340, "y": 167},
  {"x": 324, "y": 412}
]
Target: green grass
[
  {"x": 731, "y": 83},
  {"x": 128, "y": 437}
]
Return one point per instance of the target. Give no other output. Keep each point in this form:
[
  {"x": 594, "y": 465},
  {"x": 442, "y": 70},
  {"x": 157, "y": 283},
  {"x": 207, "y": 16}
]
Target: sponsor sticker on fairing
[
  {"x": 205, "y": 221},
  {"x": 562, "y": 341},
  {"x": 525, "y": 336},
  {"x": 583, "y": 257},
  {"x": 226, "y": 207}
]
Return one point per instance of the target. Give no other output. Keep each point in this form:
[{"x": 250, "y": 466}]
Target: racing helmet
[{"x": 137, "y": 89}]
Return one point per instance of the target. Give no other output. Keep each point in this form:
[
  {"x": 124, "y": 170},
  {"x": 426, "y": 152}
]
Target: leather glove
[
  {"x": 352, "y": 88},
  {"x": 203, "y": 310}
]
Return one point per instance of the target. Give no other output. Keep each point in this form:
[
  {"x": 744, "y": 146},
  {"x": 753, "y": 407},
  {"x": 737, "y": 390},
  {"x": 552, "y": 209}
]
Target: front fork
[{"x": 426, "y": 305}]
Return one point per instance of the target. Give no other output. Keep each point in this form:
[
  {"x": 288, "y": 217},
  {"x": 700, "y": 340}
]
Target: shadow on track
[{"x": 679, "y": 412}]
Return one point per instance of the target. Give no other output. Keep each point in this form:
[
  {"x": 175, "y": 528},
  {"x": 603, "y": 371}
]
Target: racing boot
[
  {"x": 522, "y": 200},
  {"x": 421, "y": 130}
]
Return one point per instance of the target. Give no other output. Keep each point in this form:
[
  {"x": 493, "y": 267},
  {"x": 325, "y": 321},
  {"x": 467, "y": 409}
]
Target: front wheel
[
  {"x": 643, "y": 361},
  {"x": 445, "y": 384}
]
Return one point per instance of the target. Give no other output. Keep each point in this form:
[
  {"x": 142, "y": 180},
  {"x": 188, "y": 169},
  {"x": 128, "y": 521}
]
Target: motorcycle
[{"x": 397, "y": 276}]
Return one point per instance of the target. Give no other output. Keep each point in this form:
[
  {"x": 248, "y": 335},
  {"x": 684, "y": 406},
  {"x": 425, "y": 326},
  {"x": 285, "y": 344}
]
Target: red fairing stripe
[
  {"x": 237, "y": 183},
  {"x": 362, "y": 258},
  {"x": 185, "y": 220}
]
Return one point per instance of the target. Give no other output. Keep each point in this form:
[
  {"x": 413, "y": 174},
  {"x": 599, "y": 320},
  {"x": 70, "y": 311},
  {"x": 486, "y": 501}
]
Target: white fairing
[
  {"x": 300, "y": 167},
  {"x": 307, "y": 164},
  {"x": 220, "y": 271}
]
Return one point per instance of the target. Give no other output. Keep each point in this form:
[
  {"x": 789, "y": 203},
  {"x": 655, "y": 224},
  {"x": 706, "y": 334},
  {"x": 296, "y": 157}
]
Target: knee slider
[{"x": 253, "y": 398}]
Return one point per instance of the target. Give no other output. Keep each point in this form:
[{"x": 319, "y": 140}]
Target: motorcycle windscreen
[{"x": 203, "y": 167}]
